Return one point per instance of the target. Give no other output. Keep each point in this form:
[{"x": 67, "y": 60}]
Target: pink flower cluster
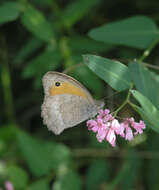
[
  {"x": 107, "y": 127},
  {"x": 8, "y": 185}
]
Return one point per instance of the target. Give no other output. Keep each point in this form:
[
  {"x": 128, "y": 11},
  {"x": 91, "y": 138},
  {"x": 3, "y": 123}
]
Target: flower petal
[
  {"x": 129, "y": 134},
  {"x": 111, "y": 138}
]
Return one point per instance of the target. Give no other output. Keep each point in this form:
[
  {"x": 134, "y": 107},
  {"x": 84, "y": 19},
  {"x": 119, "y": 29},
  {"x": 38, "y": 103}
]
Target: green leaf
[
  {"x": 95, "y": 144},
  {"x": 39, "y": 185},
  {"x": 150, "y": 120},
  {"x": 145, "y": 82},
  {"x": 81, "y": 72},
  {"x": 149, "y": 112},
  {"x": 40, "y": 156},
  {"x": 36, "y": 23},
  {"x": 42, "y": 3},
  {"x": 82, "y": 44},
  {"x": 9, "y": 11},
  {"x": 76, "y": 10},
  {"x": 135, "y": 162},
  {"x": 34, "y": 154},
  {"x": 46, "y": 61},
  {"x": 128, "y": 172},
  {"x": 145, "y": 103},
  {"x": 28, "y": 49},
  {"x": 114, "y": 73},
  {"x": 152, "y": 166},
  {"x": 69, "y": 180},
  {"x": 18, "y": 177},
  {"x": 97, "y": 174},
  {"x": 59, "y": 154},
  {"x": 8, "y": 132},
  {"x": 138, "y": 31}
]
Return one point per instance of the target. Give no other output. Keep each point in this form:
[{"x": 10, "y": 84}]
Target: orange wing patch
[{"x": 67, "y": 88}]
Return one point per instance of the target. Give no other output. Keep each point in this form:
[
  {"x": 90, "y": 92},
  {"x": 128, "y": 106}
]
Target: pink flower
[
  {"x": 8, "y": 185},
  {"x": 129, "y": 134},
  {"x": 107, "y": 127},
  {"x": 92, "y": 125},
  {"x": 120, "y": 130},
  {"x": 138, "y": 127},
  {"x": 128, "y": 131},
  {"x": 110, "y": 137},
  {"x": 104, "y": 115},
  {"x": 101, "y": 135},
  {"x": 104, "y": 112},
  {"x": 115, "y": 125},
  {"x": 102, "y": 130}
]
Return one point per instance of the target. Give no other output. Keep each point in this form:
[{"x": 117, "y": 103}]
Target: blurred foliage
[{"x": 37, "y": 36}]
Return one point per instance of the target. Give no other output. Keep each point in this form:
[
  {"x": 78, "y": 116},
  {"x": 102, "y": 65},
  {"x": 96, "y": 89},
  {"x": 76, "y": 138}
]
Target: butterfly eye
[{"x": 57, "y": 84}]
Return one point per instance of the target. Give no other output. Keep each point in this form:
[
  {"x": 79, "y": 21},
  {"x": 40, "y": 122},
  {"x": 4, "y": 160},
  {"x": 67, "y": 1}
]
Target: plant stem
[
  {"x": 132, "y": 105},
  {"x": 73, "y": 67},
  {"x": 56, "y": 9},
  {"x": 66, "y": 52},
  {"x": 148, "y": 51},
  {"x": 125, "y": 101},
  {"x": 6, "y": 82},
  {"x": 151, "y": 66}
]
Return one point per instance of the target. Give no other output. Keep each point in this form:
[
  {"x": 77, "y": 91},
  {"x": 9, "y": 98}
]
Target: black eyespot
[{"x": 57, "y": 84}]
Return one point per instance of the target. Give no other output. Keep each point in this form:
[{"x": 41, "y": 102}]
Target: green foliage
[
  {"x": 75, "y": 11},
  {"x": 39, "y": 185},
  {"x": 28, "y": 49},
  {"x": 114, "y": 73},
  {"x": 36, "y": 23},
  {"x": 8, "y": 133},
  {"x": 82, "y": 44},
  {"x": 51, "y": 155},
  {"x": 128, "y": 172},
  {"x": 97, "y": 174},
  {"x": 144, "y": 78},
  {"x": 9, "y": 11},
  {"x": 18, "y": 177},
  {"x": 48, "y": 60},
  {"x": 139, "y": 32},
  {"x": 38, "y": 36},
  {"x": 67, "y": 180},
  {"x": 42, "y": 3},
  {"x": 152, "y": 164},
  {"x": 83, "y": 71},
  {"x": 149, "y": 112}
]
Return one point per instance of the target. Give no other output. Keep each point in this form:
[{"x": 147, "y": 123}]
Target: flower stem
[
  {"x": 125, "y": 101},
  {"x": 6, "y": 83},
  {"x": 148, "y": 51},
  {"x": 132, "y": 105},
  {"x": 66, "y": 52}
]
